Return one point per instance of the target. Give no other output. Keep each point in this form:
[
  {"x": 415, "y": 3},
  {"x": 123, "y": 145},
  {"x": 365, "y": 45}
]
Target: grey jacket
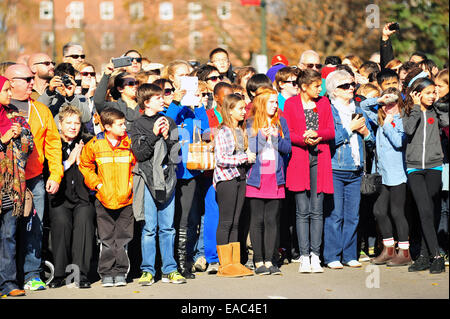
[
  {"x": 56, "y": 101},
  {"x": 424, "y": 148}
]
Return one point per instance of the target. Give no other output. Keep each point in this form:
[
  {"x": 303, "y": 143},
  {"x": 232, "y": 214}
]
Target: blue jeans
[
  {"x": 158, "y": 216},
  {"x": 342, "y": 222},
  {"x": 32, "y": 229},
  {"x": 8, "y": 271},
  {"x": 211, "y": 221}
]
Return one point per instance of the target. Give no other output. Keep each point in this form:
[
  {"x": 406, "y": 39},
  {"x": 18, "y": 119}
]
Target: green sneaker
[
  {"x": 146, "y": 279},
  {"x": 174, "y": 277},
  {"x": 35, "y": 284}
]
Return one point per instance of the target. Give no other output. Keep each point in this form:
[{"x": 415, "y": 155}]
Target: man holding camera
[{"x": 61, "y": 92}]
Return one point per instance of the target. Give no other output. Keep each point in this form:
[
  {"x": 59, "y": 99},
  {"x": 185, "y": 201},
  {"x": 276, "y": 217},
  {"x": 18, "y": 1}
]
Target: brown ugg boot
[
  {"x": 402, "y": 258},
  {"x": 226, "y": 268},
  {"x": 386, "y": 255},
  {"x": 236, "y": 260}
]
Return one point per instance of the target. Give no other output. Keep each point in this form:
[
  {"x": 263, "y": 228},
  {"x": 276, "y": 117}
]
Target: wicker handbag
[{"x": 201, "y": 154}]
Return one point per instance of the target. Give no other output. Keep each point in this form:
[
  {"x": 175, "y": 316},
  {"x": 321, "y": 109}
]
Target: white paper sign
[{"x": 190, "y": 84}]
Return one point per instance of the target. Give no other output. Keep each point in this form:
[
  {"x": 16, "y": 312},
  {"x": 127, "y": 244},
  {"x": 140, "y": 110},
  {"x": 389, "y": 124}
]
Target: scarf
[
  {"x": 5, "y": 123},
  {"x": 12, "y": 164},
  {"x": 345, "y": 113}
]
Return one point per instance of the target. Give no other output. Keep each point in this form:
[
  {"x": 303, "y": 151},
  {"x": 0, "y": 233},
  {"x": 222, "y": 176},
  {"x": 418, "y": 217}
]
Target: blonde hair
[
  {"x": 443, "y": 76},
  {"x": 367, "y": 88},
  {"x": 395, "y": 63},
  {"x": 69, "y": 110},
  {"x": 354, "y": 60},
  {"x": 85, "y": 64},
  {"x": 259, "y": 111},
  {"x": 169, "y": 69}
]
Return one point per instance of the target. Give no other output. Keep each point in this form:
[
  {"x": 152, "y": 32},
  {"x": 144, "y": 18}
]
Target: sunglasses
[
  {"x": 204, "y": 94},
  {"x": 346, "y": 86},
  {"x": 87, "y": 73},
  {"x": 46, "y": 63},
  {"x": 294, "y": 83},
  {"x": 311, "y": 65},
  {"x": 27, "y": 79},
  {"x": 215, "y": 78},
  {"x": 130, "y": 83},
  {"x": 76, "y": 56},
  {"x": 138, "y": 60},
  {"x": 168, "y": 91}
]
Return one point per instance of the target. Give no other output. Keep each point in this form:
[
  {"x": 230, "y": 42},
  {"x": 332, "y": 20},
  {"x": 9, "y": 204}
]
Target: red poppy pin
[
  {"x": 315, "y": 110},
  {"x": 125, "y": 143},
  {"x": 393, "y": 124},
  {"x": 357, "y": 99},
  {"x": 430, "y": 120}
]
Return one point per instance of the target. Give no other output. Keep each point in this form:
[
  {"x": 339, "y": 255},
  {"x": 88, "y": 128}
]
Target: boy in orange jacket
[{"x": 106, "y": 163}]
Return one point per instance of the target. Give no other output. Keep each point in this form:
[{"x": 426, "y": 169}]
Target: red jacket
[{"x": 297, "y": 174}]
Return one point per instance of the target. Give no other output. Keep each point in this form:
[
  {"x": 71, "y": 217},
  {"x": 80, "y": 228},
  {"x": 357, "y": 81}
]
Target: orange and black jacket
[{"x": 111, "y": 166}]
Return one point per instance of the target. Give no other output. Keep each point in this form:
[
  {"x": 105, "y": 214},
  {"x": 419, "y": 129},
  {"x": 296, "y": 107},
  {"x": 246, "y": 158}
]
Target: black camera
[
  {"x": 66, "y": 80},
  {"x": 394, "y": 26}
]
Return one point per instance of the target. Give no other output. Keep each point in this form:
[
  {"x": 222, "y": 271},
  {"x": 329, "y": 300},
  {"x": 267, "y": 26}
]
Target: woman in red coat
[{"x": 309, "y": 173}]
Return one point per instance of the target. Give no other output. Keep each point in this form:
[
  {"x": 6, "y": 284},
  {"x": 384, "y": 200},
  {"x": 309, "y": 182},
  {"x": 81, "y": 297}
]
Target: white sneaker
[
  {"x": 353, "y": 264},
  {"x": 315, "y": 263},
  {"x": 335, "y": 265},
  {"x": 305, "y": 265}
]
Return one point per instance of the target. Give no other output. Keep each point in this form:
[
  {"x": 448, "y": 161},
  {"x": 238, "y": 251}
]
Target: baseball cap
[{"x": 279, "y": 58}]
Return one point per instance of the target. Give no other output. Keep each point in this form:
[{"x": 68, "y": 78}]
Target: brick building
[{"x": 162, "y": 30}]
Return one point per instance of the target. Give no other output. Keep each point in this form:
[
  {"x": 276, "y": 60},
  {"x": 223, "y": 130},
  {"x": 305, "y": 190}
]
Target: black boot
[
  {"x": 421, "y": 263},
  {"x": 184, "y": 267},
  {"x": 437, "y": 265}
]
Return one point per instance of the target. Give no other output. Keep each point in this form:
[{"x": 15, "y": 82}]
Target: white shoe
[
  {"x": 353, "y": 264},
  {"x": 335, "y": 265},
  {"x": 315, "y": 263},
  {"x": 296, "y": 260},
  {"x": 305, "y": 265}
]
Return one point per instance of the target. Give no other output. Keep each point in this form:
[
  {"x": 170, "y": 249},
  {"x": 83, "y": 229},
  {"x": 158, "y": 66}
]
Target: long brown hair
[
  {"x": 230, "y": 102},
  {"x": 260, "y": 111},
  {"x": 382, "y": 113}
]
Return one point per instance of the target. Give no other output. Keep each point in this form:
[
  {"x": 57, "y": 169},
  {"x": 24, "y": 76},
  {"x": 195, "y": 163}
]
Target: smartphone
[
  {"x": 121, "y": 62},
  {"x": 394, "y": 26},
  {"x": 356, "y": 115}
]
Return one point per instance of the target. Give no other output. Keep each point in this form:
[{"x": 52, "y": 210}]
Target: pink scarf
[{"x": 5, "y": 123}]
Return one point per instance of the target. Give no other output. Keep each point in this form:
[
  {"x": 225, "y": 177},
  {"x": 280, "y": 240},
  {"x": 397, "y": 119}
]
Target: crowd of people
[{"x": 108, "y": 164}]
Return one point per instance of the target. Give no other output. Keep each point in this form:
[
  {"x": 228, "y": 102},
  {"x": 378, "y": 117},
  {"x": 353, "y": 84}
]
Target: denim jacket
[
  {"x": 341, "y": 152},
  {"x": 390, "y": 144},
  {"x": 282, "y": 146}
]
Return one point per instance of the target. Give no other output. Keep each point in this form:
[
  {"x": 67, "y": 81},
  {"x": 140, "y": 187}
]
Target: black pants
[
  {"x": 392, "y": 197},
  {"x": 230, "y": 199},
  {"x": 264, "y": 226},
  {"x": 425, "y": 186},
  {"x": 115, "y": 229},
  {"x": 72, "y": 234}
]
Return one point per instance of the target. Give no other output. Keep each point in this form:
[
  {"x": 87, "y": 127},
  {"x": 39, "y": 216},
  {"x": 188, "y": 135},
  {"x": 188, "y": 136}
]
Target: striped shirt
[{"x": 228, "y": 156}]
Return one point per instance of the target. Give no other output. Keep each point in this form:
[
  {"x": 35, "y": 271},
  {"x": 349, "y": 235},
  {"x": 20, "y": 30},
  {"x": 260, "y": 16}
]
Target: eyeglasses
[
  {"x": 76, "y": 56},
  {"x": 215, "y": 78},
  {"x": 87, "y": 73},
  {"x": 130, "y": 83},
  {"x": 138, "y": 60},
  {"x": 168, "y": 91},
  {"x": 46, "y": 63},
  {"x": 27, "y": 79},
  {"x": 294, "y": 83},
  {"x": 346, "y": 86},
  {"x": 311, "y": 66},
  {"x": 220, "y": 61}
]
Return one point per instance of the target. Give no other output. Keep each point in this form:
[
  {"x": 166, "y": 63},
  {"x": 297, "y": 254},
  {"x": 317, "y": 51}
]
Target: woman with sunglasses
[
  {"x": 190, "y": 191},
  {"x": 351, "y": 129},
  {"x": 211, "y": 75},
  {"x": 123, "y": 91},
  {"x": 136, "y": 62},
  {"x": 168, "y": 91},
  {"x": 87, "y": 76}
]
